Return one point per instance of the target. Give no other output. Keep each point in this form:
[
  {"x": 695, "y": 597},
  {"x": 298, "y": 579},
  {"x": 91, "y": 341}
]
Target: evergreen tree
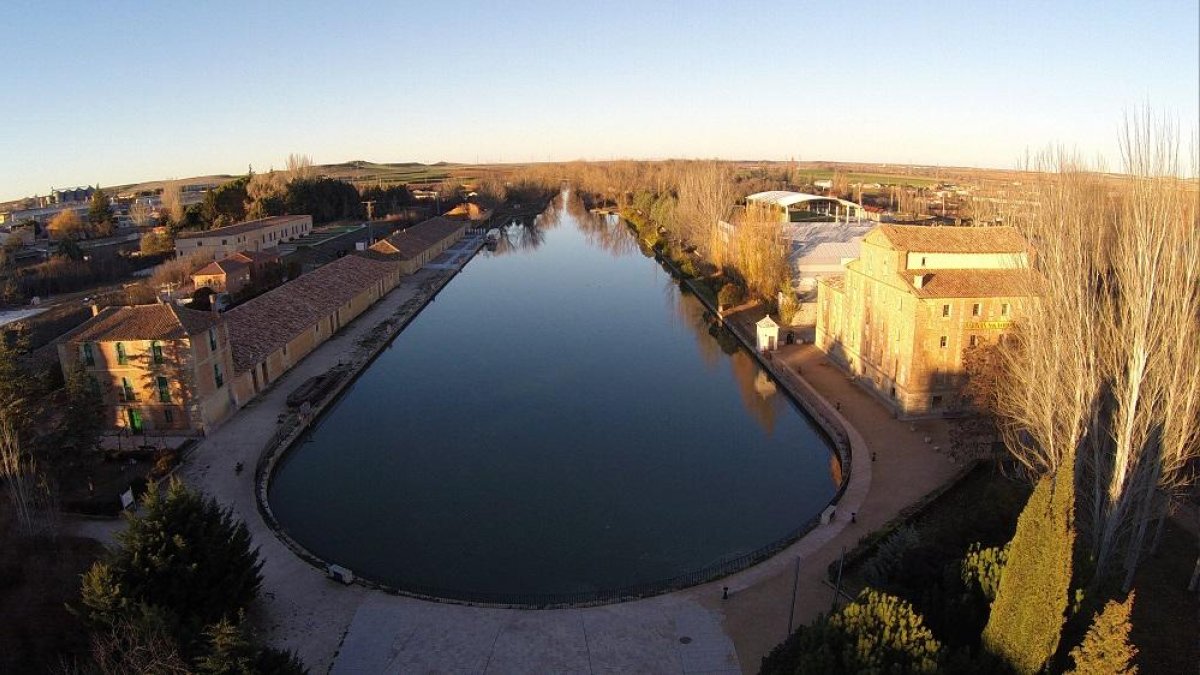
[
  {"x": 1106, "y": 649},
  {"x": 84, "y": 414},
  {"x": 184, "y": 554},
  {"x": 229, "y": 650},
  {"x": 100, "y": 213},
  {"x": 1027, "y": 616}
]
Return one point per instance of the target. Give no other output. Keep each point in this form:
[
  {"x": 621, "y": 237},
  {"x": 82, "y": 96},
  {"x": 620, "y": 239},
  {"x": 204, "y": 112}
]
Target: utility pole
[{"x": 370, "y": 204}]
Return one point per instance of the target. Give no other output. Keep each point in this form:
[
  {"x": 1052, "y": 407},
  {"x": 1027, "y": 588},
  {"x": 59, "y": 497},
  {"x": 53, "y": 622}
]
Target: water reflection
[{"x": 604, "y": 433}]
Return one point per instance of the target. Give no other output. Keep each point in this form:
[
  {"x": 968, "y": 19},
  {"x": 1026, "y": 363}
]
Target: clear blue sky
[{"x": 117, "y": 92}]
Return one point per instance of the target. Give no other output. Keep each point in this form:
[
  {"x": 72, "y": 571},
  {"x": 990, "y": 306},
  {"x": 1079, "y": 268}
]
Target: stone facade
[
  {"x": 901, "y": 317},
  {"x": 252, "y": 235},
  {"x": 159, "y": 368}
]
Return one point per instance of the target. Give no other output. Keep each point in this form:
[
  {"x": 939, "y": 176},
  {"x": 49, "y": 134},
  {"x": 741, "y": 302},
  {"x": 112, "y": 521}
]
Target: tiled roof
[
  {"x": 1001, "y": 239},
  {"x": 413, "y": 241},
  {"x": 246, "y": 226},
  {"x": 262, "y": 325},
  {"x": 224, "y": 266},
  {"x": 166, "y": 321},
  {"x": 267, "y": 255},
  {"x": 976, "y": 283}
]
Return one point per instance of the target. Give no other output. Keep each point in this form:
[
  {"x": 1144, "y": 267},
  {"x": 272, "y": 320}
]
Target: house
[
  {"x": 414, "y": 246},
  {"x": 236, "y": 271},
  {"x": 160, "y": 368},
  {"x": 251, "y": 235},
  {"x": 901, "y": 317},
  {"x": 223, "y": 276}
]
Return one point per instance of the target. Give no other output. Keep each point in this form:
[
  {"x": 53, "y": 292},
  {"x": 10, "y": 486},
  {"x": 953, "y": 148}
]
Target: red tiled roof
[
  {"x": 224, "y": 266},
  {"x": 976, "y": 283},
  {"x": 262, "y": 325},
  {"x": 267, "y": 255},
  {"x": 166, "y": 321},
  {"x": 413, "y": 241},
  {"x": 1001, "y": 239},
  {"x": 246, "y": 226}
]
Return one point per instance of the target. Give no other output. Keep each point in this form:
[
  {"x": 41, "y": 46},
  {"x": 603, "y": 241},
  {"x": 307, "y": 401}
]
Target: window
[
  {"x": 89, "y": 358},
  {"x": 1004, "y": 309},
  {"x": 168, "y": 415},
  {"x": 945, "y": 310},
  {"x": 974, "y": 341},
  {"x": 127, "y": 390},
  {"x": 223, "y": 242},
  {"x": 212, "y": 339},
  {"x": 922, "y": 261},
  {"x": 936, "y": 402},
  {"x": 164, "y": 389},
  {"x": 217, "y": 377},
  {"x": 121, "y": 357},
  {"x": 942, "y": 342},
  {"x": 976, "y": 309},
  {"x": 285, "y": 350},
  {"x": 156, "y": 351}
]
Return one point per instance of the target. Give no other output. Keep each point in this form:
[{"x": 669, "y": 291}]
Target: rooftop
[
  {"x": 224, "y": 266},
  {"x": 413, "y": 241},
  {"x": 166, "y": 321},
  {"x": 262, "y": 325},
  {"x": 977, "y": 283},
  {"x": 246, "y": 226},
  {"x": 1002, "y": 239}
]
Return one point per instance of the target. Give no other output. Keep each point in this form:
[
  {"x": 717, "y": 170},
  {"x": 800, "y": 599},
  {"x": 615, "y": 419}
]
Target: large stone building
[
  {"x": 901, "y": 316},
  {"x": 160, "y": 368},
  {"x": 252, "y": 235}
]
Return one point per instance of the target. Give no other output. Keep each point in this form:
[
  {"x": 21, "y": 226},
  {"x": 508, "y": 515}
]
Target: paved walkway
[
  {"x": 905, "y": 469},
  {"x": 352, "y": 629}
]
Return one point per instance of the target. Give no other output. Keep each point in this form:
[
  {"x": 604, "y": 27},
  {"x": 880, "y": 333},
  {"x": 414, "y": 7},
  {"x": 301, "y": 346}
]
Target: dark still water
[{"x": 558, "y": 420}]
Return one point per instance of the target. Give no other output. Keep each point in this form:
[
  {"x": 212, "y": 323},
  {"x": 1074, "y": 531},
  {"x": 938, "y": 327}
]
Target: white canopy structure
[{"x": 784, "y": 203}]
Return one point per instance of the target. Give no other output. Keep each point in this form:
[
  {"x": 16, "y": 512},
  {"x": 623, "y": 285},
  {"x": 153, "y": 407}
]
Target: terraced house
[
  {"x": 159, "y": 368},
  {"x": 902, "y": 315},
  {"x": 251, "y": 235}
]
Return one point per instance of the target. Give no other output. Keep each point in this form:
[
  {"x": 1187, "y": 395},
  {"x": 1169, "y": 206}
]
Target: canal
[{"x": 559, "y": 420}]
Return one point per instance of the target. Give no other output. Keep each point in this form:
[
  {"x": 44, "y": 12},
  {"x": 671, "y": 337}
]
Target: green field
[{"x": 881, "y": 178}]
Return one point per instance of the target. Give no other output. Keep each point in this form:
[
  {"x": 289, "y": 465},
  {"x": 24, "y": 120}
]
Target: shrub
[
  {"x": 730, "y": 295},
  {"x": 877, "y": 633},
  {"x": 880, "y": 567},
  {"x": 1106, "y": 648},
  {"x": 981, "y": 569}
]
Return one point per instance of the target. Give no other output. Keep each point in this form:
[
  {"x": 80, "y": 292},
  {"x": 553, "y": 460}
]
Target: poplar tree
[{"x": 1028, "y": 614}]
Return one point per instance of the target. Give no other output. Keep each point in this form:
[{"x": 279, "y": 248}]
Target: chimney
[
  {"x": 95, "y": 309},
  {"x": 920, "y": 279}
]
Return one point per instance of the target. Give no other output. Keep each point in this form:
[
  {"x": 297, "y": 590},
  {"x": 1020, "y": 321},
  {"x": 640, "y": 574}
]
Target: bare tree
[
  {"x": 172, "y": 200},
  {"x": 1106, "y": 361},
  {"x": 28, "y": 490},
  {"x": 299, "y": 167}
]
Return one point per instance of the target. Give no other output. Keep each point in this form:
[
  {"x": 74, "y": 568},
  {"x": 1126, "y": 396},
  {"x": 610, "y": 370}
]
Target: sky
[{"x": 120, "y": 92}]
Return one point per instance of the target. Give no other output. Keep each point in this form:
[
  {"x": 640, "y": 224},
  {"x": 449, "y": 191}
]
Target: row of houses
[{"x": 168, "y": 369}]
